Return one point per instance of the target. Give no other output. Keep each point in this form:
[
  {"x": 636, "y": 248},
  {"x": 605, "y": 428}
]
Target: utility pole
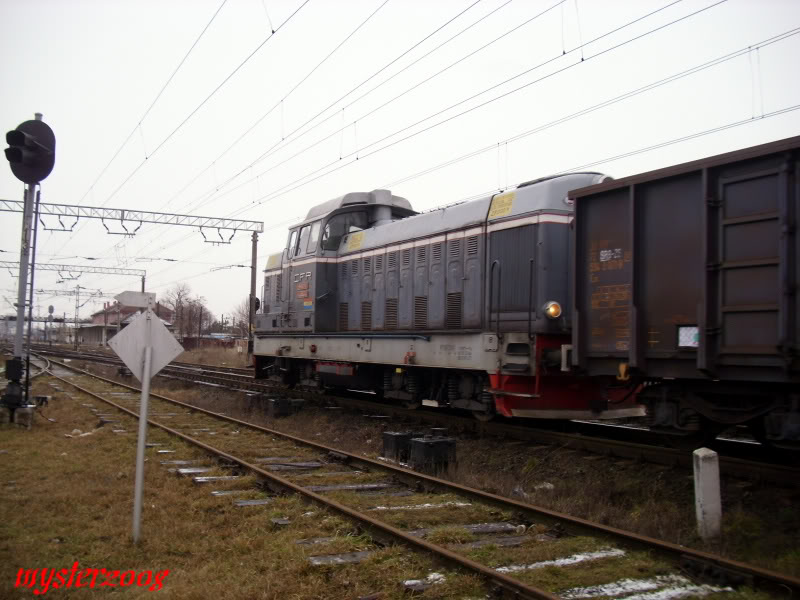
[
  {"x": 253, "y": 299},
  {"x": 77, "y": 309},
  {"x": 105, "y": 322},
  {"x": 31, "y": 154}
]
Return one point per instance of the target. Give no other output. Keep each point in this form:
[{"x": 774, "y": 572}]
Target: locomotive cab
[{"x": 300, "y": 285}]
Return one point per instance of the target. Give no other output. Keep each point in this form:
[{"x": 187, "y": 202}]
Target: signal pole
[{"x": 31, "y": 154}]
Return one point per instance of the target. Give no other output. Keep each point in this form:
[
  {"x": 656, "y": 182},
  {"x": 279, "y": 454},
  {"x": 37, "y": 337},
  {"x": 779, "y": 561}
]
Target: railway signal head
[{"x": 32, "y": 151}]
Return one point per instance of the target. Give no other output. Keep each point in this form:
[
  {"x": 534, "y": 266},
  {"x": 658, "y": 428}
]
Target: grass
[
  {"x": 760, "y": 525},
  {"x": 760, "y": 521},
  {"x": 217, "y": 356},
  {"x": 69, "y": 499}
]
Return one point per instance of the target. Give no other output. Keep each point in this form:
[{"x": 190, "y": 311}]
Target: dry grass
[
  {"x": 760, "y": 522},
  {"x": 226, "y": 357},
  {"x": 760, "y": 525},
  {"x": 69, "y": 499}
]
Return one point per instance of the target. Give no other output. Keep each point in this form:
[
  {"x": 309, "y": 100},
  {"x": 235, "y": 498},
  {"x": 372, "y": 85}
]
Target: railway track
[
  {"x": 739, "y": 459},
  {"x": 519, "y": 550}
]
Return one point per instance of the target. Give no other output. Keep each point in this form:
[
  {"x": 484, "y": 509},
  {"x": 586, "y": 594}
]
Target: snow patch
[
  {"x": 623, "y": 586},
  {"x": 563, "y": 562},
  {"x": 421, "y": 506}
]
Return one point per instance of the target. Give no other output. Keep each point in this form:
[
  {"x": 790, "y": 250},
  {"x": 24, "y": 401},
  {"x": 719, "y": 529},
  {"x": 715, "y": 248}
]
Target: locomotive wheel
[
  {"x": 484, "y": 416},
  {"x": 703, "y": 438}
]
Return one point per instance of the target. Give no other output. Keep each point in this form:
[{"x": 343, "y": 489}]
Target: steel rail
[
  {"x": 759, "y": 575},
  {"x": 671, "y": 457},
  {"x": 517, "y": 588}
]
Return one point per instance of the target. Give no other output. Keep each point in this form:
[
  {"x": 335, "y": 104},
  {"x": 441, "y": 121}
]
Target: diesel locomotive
[
  {"x": 466, "y": 306},
  {"x": 671, "y": 294}
]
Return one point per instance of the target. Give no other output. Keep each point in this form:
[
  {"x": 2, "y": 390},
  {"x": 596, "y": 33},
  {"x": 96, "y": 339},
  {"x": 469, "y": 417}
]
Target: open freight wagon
[{"x": 685, "y": 288}]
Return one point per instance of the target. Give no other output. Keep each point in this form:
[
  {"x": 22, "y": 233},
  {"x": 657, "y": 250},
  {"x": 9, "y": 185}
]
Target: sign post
[{"x": 146, "y": 347}]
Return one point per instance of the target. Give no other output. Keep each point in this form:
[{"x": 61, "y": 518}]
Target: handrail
[
  {"x": 530, "y": 297},
  {"x": 495, "y": 263}
]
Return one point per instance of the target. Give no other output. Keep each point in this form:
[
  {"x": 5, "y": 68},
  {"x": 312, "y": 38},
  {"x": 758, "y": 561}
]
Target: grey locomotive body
[{"x": 460, "y": 306}]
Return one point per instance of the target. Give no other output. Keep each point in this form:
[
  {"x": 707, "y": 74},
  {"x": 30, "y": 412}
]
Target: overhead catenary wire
[
  {"x": 663, "y": 144},
  {"x": 428, "y": 36},
  {"x": 604, "y": 104},
  {"x": 155, "y": 100},
  {"x": 203, "y": 102},
  {"x": 335, "y": 102},
  {"x": 360, "y": 154},
  {"x": 270, "y": 151},
  {"x": 735, "y": 124},
  {"x": 297, "y": 184},
  {"x": 152, "y": 104},
  {"x": 280, "y": 103}
]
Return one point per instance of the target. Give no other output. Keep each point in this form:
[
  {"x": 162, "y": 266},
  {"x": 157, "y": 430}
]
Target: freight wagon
[{"x": 685, "y": 287}]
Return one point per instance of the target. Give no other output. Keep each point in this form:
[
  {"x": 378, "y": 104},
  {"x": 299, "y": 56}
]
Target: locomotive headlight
[{"x": 552, "y": 309}]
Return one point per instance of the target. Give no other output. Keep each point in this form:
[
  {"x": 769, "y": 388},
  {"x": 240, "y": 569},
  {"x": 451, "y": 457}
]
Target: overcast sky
[{"x": 93, "y": 68}]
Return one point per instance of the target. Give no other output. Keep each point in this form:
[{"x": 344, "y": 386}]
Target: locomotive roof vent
[
  {"x": 603, "y": 177},
  {"x": 384, "y": 206}
]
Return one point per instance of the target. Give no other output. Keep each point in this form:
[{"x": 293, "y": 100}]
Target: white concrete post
[{"x": 707, "y": 500}]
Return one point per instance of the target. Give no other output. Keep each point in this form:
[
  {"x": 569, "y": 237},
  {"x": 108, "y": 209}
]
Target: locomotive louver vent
[
  {"x": 453, "y": 311},
  {"x": 420, "y": 312},
  {"x": 266, "y": 309},
  {"x": 422, "y": 254},
  {"x": 378, "y": 264},
  {"x": 472, "y": 245},
  {"x": 266, "y": 285},
  {"x": 437, "y": 252},
  {"x": 392, "y": 260},
  {"x": 366, "y": 316},
  {"x": 391, "y": 313},
  {"x": 406, "y": 257},
  {"x": 367, "y": 265},
  {"x": 354, "y": 267},
  {"x": 455, "y": 248},
  {"x": 278, "y": 285},
  {"x": 343, "y": 316},
  {"x": 343, "y": 269}
]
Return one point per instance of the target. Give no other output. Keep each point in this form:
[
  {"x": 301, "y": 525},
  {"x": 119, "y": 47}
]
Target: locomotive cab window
[
  {"x": 302, "y": 241},
  {"x": 312, "y": 239},
  {"x": 340, "y": 225},
  {"x": 292, "y": 243}
]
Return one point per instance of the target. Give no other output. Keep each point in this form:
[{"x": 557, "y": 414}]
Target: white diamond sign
[
  {"x": 136, "y": 299},
  {"x": 146, "y": 329}
]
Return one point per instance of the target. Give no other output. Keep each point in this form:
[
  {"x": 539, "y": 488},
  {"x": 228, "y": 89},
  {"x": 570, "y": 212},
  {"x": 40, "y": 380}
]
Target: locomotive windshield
[
  {"x": 312, "y": 241},
  {"x": 340, "y": 225}
]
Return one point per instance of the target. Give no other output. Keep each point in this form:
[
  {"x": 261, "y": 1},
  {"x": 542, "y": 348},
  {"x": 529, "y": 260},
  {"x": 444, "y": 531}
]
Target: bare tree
[
  {"x": 241, "y": 313},
  {"x": 191, "y": 316},
  {"x": 176, "y": 298}
]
